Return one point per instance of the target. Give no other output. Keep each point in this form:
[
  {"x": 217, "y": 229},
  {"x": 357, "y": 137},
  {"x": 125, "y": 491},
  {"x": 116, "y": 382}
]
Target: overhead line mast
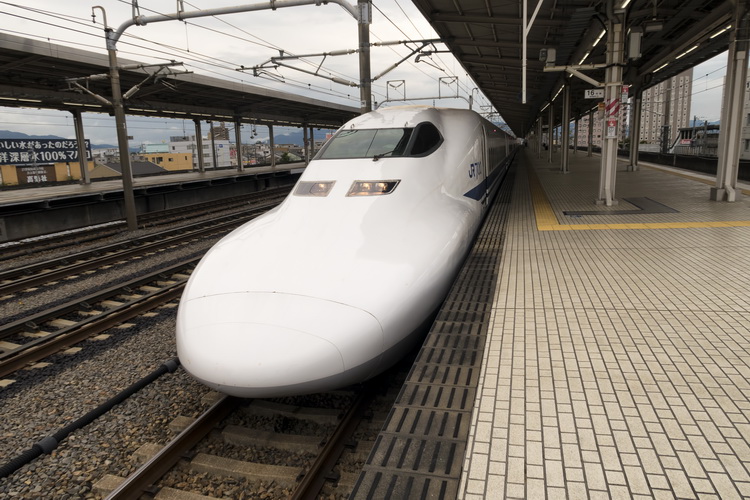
[{"x": 362, "y": 13}]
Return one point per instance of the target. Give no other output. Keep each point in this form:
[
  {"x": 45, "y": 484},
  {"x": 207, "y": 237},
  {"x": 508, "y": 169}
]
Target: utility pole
[{"x": 122, "y": 134}]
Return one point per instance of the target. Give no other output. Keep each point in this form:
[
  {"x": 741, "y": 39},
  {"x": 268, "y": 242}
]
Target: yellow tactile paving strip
[{"x": 546, "y": 220}]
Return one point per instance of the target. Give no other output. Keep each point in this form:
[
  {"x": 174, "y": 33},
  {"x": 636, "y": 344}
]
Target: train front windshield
[
  {"x": 421, "y": 140},
  {"x": 367, "y": 143}
]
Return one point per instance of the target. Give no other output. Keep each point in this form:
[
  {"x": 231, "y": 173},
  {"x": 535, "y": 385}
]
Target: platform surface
[{"x": 617, "y": 359}]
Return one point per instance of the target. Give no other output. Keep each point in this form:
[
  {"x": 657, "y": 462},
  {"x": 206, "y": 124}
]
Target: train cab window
[
  {"x": 367, "y": 143},
  {"x": 427, "y": 139},
  {"x": 379, "y": 143}
]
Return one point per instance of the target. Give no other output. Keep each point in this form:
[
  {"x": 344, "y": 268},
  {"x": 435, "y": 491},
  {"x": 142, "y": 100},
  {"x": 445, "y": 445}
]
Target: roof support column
[
  {"x": 307, "y": 143},
  {"x": 273, "y": 145},
  {"x": 590, "y": 148},
  {"x": 238, "y": 142},
  {"x": 613, "y": 78},
  {"x": 199, "y": 145},
  {"x": 732, "y": 108},
  {"x": 565, "y": 142},
  {"x": 539, "y": 137},
  {"x": 575, "y": 135},
  {"x": 214, "y": 156},
  {"x": 312, "y": 142},
  {"x": 83, "y": 160},
  {"x": 550, "y": 132},
  {"x": 635, "y": 131}
]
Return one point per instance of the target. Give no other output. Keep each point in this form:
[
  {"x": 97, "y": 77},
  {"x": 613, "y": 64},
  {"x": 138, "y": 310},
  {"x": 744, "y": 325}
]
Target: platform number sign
[{"x": 594, "y": 94}]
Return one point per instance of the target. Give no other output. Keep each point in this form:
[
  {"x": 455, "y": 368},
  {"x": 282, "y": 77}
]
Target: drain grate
[{"x": 645, "y": 206}]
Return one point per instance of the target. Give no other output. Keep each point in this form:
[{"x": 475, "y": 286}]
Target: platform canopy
[
  {"x": 486, "y": 36},
  {"x": 40, "y": 74}
]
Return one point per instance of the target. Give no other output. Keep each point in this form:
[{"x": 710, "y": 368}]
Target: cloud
[{"x": 708, "y": 80}]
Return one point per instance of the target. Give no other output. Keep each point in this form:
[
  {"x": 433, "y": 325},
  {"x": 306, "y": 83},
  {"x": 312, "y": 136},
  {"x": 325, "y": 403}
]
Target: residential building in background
[
  {"x": 225, "y": 151},
  {"x": 665, "y": 108},
  {"x": 745, "y": 137}
]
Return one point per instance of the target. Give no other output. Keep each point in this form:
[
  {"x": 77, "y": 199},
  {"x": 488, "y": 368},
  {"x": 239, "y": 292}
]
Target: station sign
[
  {"x": 36, "y": 174},
  {"x": 35, "y": 151},
  {"x": 593, "y": 94}
]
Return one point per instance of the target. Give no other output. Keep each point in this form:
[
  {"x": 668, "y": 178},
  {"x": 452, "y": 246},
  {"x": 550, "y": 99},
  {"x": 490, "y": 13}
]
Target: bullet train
[{"x": 337, "y": 283}]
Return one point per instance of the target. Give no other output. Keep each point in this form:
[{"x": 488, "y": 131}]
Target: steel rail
[
  {"x": 95, "y": 259},
  {"x": 312, "y": 482},
  {"x": 34, "y": 321},
  {"x": 149, "y": 473},
  {"x": 51, "y": 344},
  {"x": 151, "y": 219}
]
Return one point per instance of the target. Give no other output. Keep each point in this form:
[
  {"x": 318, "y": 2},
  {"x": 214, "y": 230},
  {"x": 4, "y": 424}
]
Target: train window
[
  {"x": 367, "y": 143},
  {"x": 427, "y": 139}
]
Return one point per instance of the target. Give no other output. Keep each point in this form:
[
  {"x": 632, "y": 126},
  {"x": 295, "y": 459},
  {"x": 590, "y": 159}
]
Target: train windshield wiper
[{"x": 381, "y": 155}]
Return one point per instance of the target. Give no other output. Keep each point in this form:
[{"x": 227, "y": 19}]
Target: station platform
[
  {"x": 611, "y": 358},
  {"x": 46, "y": 193},
  {"x": 29, "y": 212}
]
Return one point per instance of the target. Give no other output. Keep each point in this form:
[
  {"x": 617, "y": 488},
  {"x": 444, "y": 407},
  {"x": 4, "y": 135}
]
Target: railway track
[
  {"x": 149, "y": 220},
  {"x": 30, "y": 276},
  {"x": 44, "y": 333},
  {"x": 294, "y": 482}
]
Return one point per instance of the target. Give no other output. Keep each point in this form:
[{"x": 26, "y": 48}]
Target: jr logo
[{"x": 474, "y": 169}]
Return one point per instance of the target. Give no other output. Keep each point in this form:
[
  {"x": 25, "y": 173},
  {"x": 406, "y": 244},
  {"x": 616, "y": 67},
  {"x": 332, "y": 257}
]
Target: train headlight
[
  {"x": 372, "y": 188},
  {"x": 320, "y": 188}
]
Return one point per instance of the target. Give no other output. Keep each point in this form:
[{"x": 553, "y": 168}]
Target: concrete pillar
[
  {"x": 307, "y": 144},
  {"x": 550, "y": 132},
  {"x": 565, "y": 130},
  {"x": 238, "y": 144},
  {"x": 725, "y": 188},
  {"x": 612, "y": 92},
  {"x": 199, "y": 145},
  {"x": 213, "y": 146},
  {"x": 635, "y": 131},
  {"x": 273, "y": 147},
  {"x": 80, "y": 139},
  {"x": 540, "y": 138}
]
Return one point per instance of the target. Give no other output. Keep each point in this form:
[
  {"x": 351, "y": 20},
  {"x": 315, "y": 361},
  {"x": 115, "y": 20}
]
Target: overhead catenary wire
[
  {"x": 165, "y": 49},
  {"x": 206, "y": 62}
]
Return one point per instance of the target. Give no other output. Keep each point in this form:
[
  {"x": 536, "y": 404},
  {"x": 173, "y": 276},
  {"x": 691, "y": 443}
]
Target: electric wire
[{"x": 209, "y": 60}]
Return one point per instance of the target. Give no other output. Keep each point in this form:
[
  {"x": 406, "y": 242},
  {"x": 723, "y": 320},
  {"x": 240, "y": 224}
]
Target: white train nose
[{"x": 258, "y": 344}]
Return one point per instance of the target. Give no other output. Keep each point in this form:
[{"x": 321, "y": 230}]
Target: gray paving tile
[{"x": 624, "y": 354}]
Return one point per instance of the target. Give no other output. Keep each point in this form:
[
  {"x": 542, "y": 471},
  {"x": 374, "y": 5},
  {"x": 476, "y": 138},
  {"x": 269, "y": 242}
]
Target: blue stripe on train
[{"x": 478, "y": 191}]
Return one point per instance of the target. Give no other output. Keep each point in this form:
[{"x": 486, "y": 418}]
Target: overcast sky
[{"x": 218, "y": 46}]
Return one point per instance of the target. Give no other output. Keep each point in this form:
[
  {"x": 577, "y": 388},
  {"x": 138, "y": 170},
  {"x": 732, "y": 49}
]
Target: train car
[{"x": 337, "y": 283}]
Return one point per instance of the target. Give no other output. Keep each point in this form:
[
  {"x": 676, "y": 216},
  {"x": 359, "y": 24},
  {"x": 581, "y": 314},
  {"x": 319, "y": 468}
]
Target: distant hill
[{"x": 9, "y": 134}]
